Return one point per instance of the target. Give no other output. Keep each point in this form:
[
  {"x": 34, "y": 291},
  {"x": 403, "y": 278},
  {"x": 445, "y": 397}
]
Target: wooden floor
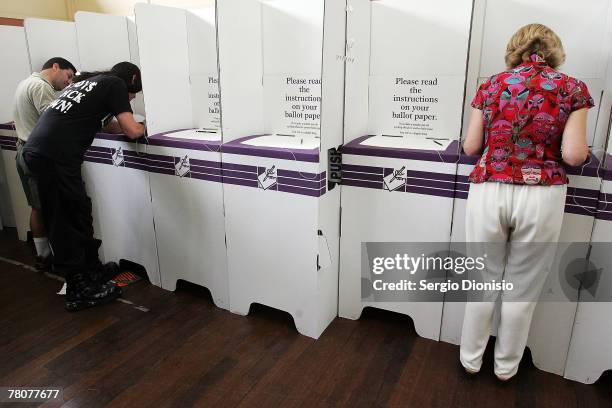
[{"x": 185, "y": 352}]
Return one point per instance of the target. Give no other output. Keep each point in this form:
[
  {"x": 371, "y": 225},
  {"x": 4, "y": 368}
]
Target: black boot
[{"x": 82, "y": 292}]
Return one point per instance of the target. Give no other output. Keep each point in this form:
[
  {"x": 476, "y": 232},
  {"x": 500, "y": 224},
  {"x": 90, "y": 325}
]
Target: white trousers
[{"x": 513, "y": 214}]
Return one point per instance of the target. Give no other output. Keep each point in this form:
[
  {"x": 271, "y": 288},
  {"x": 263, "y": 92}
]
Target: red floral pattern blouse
[{"x": 525, "y": 110}]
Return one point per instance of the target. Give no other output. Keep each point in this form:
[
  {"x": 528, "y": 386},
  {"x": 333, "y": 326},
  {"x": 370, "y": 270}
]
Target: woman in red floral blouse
[{"x": 526, "y": 122}]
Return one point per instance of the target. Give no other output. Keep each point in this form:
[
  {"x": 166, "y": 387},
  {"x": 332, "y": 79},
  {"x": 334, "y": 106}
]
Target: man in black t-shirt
[{"x": 53, "y": 156}]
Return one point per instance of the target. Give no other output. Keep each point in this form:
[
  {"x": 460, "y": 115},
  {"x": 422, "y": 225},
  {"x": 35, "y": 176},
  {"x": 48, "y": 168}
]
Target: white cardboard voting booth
[
  {"x": 405, "y": 76},
  {"x": 494, "y": 22},
  {"x": 114, "y": 174},
  {"x": 281, "y": 95},
  {"x": 44, "y": 39},
  {"x": 590, "y": 351},
  {"x": 14, "y": 54},
  {"x": 180, "y": 80}
]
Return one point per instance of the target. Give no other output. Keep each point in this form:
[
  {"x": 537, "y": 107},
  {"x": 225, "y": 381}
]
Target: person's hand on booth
[{"x": 129, "y": 126}]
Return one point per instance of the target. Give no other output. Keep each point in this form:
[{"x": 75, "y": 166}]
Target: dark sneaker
[
  {"x": 94, "y": 295},
  {"x": 43, "y": 264}
]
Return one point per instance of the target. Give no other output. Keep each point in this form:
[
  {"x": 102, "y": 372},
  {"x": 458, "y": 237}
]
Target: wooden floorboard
[{"x": 185, "y": 352}]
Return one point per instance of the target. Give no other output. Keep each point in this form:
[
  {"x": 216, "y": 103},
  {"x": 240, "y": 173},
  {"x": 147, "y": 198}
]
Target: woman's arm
[
  {"x": 472, "y": 145},
  {"x": 574, "y": 148}
]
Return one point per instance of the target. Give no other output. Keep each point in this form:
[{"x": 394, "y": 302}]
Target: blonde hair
[{"x": 534, "y": 39}]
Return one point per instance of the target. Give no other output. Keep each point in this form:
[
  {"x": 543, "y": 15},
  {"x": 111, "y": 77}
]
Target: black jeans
[{"x": 66, "y": 210}]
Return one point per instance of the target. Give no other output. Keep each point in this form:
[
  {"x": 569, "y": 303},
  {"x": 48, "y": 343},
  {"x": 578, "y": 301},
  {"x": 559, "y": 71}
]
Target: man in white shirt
[{"x": 32, "y": 97}]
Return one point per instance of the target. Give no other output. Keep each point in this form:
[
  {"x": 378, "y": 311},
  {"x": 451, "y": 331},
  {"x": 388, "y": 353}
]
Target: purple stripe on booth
[
  {"x": 137, "y": 160},
  {"x": 430, "y": 183},
  {"x": 239, "y": 174},
  {"x": 362, "y": 183},
  {"x": 205, "y": 163},
  {"x": 298, "y": 190},
  {"x": 430, "y": 191},
  {"x": 136, "y": 166},
  {"x": 323, "y": 183},
  {"x": 158, "y": 163},
  {"x": 362, "y": 169},
  {"x": 239, "y": 181},
  {"x": 300, "y": 174},
  {"x": 160, "y": 157},
  {"x": 360, "y": 176},
  {"x": 100, "y": 155},
  {"x": 298, "y": 183},
  {"x": 604, "y": 215},
  {"x": 586, "y": 202},
  {"x": 239, "y": 167},
  {"x": 207, "y": 177},
  {"x": 161, "y": 170},
  {"x": 603, "y": 204},
  {"x": 462, "y": 195},
  {"x": 205, "y": 170},
  {"x": 376, "y": 173},
  {"x": 9, "y": 147},
  {"x": 583, "y": 192},
  {"x": 462, "y": 186},
  {"x": 8, "y": 139},
  {"x": 430, "y": 175},
  {"x": 580, "y": 210},
  {"x": 132, "y": 153},
  {"x": 7, "y": 126}
]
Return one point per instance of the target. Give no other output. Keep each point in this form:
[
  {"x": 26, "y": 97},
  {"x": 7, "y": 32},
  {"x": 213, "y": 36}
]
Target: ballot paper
[
  {"x": 268, "y": 178},
  {"x": 396, "y": 179},
  {"x": 62, "y": 291}
]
